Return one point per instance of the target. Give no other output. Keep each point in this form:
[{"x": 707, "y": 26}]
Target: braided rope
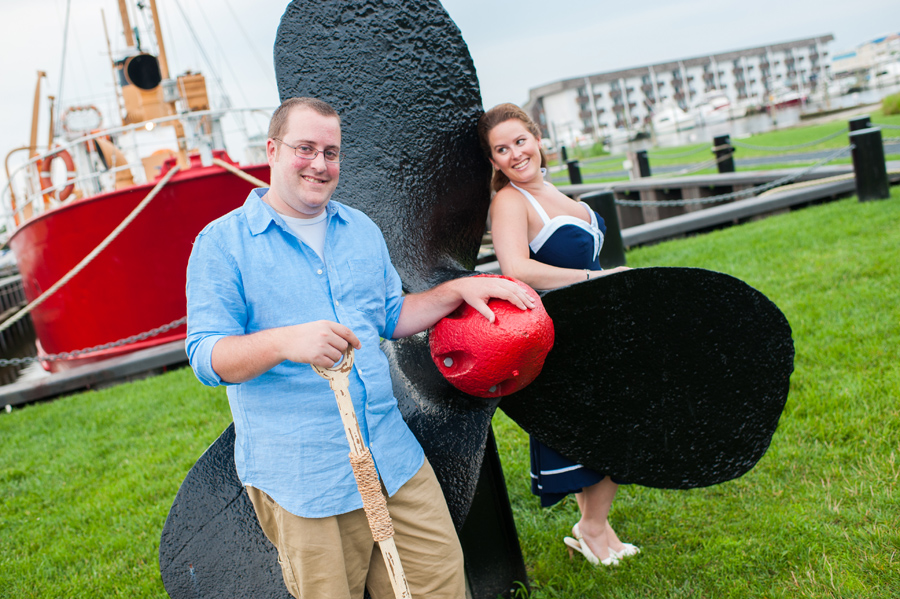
[
  {"x": 374, "y": 503},
  {"x": 805, "y": 184}
]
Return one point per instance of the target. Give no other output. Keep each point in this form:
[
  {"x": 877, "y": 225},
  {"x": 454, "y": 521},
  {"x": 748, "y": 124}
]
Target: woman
[{"x": 547, "y": 240}]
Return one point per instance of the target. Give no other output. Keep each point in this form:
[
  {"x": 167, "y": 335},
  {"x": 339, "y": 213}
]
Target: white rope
[{"x": 94, "y": 253}]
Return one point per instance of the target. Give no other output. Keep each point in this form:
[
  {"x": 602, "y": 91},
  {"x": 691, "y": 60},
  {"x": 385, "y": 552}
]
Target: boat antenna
[{"x": 62, "y": 69}]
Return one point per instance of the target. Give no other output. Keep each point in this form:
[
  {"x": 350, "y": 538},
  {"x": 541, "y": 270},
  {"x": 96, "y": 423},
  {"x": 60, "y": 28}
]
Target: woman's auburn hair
[{"x": 493, "y": 117}]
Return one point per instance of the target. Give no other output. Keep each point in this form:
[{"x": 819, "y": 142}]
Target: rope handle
[{"x": 365, "y": 473}]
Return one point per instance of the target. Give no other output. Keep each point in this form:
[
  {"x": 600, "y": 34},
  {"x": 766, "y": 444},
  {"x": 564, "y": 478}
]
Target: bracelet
[{"x": 587, "y": 274}]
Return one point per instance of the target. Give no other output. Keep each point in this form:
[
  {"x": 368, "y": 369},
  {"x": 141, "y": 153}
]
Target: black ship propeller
[{"x": 665, "y": 377}]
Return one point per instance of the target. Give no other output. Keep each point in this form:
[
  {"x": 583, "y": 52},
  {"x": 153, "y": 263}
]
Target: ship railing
[{"x": 24, "y": 187}]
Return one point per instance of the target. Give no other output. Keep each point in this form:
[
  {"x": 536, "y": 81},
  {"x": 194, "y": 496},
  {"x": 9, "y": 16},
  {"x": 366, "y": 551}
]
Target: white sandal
[
  {"x": 578, "y": 544},
  {"x": 627, "y": 551}
]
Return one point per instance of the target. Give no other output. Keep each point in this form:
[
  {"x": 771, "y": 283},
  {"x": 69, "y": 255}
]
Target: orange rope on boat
[{"x": 236, "y": 171}]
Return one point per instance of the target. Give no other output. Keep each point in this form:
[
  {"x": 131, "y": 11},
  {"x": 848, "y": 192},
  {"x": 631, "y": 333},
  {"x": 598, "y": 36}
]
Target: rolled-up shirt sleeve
[
  {"x": 393, "y": 294},
  {"x": 215, "y": 305}
]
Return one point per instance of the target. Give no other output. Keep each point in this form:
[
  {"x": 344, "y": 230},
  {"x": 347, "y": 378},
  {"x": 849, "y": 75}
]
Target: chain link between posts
[
  {"x": 664, "y": 156},
  {"x": 742, "y": 193},
  {"x": 740, "y": 144},
  {"x": 96, "y": 348}
]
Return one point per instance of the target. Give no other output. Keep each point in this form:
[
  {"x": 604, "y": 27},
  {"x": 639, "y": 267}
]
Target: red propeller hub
[{"x": 492, "y": 359}]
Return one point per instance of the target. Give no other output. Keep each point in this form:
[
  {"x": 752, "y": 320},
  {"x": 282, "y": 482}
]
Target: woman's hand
[{"x": 602, "y": 273}]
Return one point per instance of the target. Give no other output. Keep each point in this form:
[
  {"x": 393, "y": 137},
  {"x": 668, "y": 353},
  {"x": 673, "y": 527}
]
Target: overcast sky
[{"x": 515, "y": 45}]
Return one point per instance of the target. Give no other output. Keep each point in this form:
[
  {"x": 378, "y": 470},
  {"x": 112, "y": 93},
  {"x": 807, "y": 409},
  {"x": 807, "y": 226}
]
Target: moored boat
[
  {"x": 669, "y": 117},
  {"x": 785, "y": 97},
  {"x": 712, "y": 108},
  {"x": 165, "y": 166}
]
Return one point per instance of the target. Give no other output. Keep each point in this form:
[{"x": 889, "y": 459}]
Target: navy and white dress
[{"x": 566, "y": 242}]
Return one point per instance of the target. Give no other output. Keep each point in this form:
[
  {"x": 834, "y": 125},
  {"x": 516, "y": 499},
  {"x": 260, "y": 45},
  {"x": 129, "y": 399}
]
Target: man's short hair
[{"x": 280, "y": 117}]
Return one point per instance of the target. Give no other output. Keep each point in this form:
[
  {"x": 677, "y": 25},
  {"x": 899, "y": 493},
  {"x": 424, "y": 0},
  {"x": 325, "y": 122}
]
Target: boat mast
[
  {"x": 32, "y": 146},
  {"x": 126, "y": 24},
  {"x": 51, "y": 135},
  {"x": 163, "y": 65}
]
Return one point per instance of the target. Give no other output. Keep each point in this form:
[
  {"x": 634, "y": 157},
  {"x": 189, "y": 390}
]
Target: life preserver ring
[
  {"x": 78, "y": 120},
  {"x": 47, "y": 182}
]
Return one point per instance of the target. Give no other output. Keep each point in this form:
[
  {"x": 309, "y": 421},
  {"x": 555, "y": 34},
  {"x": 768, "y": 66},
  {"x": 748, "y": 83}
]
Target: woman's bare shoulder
[{"x": 508, "y": 196}]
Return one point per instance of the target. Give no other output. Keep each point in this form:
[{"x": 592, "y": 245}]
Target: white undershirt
[{"x": 311, "y": 231}]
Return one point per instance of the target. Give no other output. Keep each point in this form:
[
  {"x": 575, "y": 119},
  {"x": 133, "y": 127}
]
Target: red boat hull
[{"x": 138, "y": 282}]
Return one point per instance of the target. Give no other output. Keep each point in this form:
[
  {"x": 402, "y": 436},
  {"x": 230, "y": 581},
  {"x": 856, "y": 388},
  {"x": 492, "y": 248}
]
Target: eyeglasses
[{"x": 309, "y": 153}]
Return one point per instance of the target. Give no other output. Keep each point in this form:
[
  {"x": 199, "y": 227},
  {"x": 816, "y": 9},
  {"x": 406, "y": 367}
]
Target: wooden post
[
  {"x": 574, "y": 172},
  {"x": 860, "y": 122},
  {"x": 868, "y": 165},
  {"x": 640, "y": 168},
  {"x": 642, "y": 162},
  {"x": 157, "y": 27},
  {"x": 724, "y": 152},
  {"x": 126, "y": 24},
  {"x": 612, "y": 254}
]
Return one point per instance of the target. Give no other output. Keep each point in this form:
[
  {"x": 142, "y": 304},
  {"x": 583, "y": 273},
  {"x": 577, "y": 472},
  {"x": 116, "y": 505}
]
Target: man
[{"x": 291, "y": 279}]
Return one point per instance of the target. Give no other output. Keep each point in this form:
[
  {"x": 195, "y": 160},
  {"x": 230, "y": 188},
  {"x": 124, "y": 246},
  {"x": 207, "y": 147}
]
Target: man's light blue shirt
[{"x": 249, "y": 272}]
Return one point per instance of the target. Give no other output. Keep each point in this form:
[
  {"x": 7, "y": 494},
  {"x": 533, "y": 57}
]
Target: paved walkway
[{"x": 841, "y": 116}]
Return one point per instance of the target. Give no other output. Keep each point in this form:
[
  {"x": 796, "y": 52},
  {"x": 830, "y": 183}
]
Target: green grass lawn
[{"x": 87, "y": 480}]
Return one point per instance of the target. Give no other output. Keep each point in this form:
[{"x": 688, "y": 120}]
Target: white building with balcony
[
  {"x": 587, "y": 109},
  {"x": 873, "y": 63}
]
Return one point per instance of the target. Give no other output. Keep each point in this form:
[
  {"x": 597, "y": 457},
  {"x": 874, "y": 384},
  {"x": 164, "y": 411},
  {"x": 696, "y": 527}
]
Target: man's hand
[
  {"x": 241, "y": 358},
  {"x": 422, "y": 310},
  {"x": 321, "y": 342},
  {"x": 477, "y": 291}
]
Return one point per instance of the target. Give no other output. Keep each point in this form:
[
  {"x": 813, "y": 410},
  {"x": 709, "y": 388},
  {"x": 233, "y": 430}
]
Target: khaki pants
[{"x": 336, "y": 558}]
